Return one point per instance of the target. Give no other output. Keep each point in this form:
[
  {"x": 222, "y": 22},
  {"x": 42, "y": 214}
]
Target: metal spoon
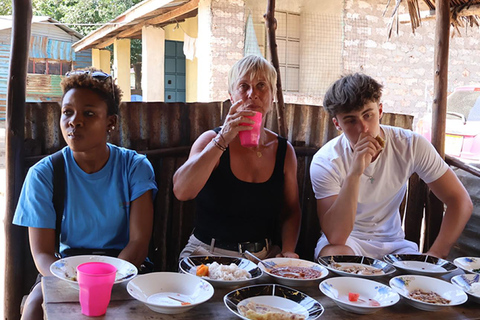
[{"x": 267, "y": 264}]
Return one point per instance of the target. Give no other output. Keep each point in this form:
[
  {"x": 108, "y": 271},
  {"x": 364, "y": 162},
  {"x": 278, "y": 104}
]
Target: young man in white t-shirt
[{"x": 359, "y": 178}]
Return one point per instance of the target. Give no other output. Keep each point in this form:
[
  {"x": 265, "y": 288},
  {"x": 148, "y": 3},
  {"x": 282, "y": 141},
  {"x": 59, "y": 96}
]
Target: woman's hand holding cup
[{"x": 237, "y": 120}]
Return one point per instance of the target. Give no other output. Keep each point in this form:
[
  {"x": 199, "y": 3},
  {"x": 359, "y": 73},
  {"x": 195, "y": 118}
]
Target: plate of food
[
  {"x": 421, "y": 264},
  {"x": 470, "y": 283},
  {"x": 468, "y": 264},
  {"x": 427, "y": 293},
  {"x": 272, "y": 301},
  {"x": 356, "y": 266},
  {"x": 358, "y": 295},
  {"x": 66, "y": 268},
  {"x": 170, "y": 292},
  {"x": 221, "y": 271},
  {"x": 293, "y": 272}
]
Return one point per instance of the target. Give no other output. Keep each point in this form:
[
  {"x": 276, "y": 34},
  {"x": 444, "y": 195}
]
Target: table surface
[{"x": 61, "y": 299}]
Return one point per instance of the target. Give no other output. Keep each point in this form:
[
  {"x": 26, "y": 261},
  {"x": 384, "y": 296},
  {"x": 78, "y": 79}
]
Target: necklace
[{"x": 370, "y": 178}]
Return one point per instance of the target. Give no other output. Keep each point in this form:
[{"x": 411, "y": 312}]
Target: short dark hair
[
  {"x": 105, "y": 86},
  {"x": 350, "y": 93}
]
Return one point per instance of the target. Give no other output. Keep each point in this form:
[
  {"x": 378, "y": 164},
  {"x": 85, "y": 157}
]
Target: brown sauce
[{"x": 296, "y": 272}]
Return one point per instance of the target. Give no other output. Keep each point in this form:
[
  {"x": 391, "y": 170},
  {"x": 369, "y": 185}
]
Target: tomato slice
[{"x": 352, "y": 296}]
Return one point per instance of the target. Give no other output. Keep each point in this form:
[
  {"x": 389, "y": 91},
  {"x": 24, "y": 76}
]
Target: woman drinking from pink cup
[{"x": 246, "y": 195}]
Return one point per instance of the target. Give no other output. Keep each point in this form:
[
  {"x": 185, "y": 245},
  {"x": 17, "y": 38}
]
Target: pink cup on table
[
  {"x": 250, "y": 138},
  {"x": 95, "y": 280}
]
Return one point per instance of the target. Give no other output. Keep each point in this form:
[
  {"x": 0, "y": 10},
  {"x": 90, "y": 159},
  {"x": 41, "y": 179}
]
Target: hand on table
[{"x": 287, "y": 254}]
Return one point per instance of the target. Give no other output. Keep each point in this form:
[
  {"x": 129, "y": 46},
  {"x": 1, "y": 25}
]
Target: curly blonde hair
[{"x": 100, "y": 83}]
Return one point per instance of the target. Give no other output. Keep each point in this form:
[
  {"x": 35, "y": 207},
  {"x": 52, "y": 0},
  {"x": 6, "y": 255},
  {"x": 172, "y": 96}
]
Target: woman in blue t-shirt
[{"x": 108, "y": 190}]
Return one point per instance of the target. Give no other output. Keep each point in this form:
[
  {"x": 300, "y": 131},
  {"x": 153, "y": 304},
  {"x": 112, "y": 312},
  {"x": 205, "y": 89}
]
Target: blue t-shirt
[{"x": 97, "y": 206}]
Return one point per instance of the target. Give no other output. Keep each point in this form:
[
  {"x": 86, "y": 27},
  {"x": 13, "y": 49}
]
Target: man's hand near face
[{"x": 364, "y": 152}]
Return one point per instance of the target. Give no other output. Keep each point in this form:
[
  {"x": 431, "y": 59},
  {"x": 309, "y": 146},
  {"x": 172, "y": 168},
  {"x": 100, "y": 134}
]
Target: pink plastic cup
[
  {"x": 95, "y": 280},
  {"x": 250, "y": 138}
]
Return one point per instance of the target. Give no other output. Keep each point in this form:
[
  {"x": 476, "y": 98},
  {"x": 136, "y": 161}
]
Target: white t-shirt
[{"x": 379, "y": 200}]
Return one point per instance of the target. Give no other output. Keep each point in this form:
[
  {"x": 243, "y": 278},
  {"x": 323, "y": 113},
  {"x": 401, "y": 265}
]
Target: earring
[{"x": 113, "y": 127}]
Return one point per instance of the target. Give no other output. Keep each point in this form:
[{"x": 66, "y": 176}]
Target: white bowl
[
  {"x": 290, "y": 262},
  {"x": 404, "y": 285},
  {"x": 421, "y": 264},
  {"x": 469, "y": 264},
  {"x": 66, "y": 268},
  {"x": 373, "y": 295},
  {"x": 466, "y": 282},
  {"x": 336, "y": 263},
  {"x": 163, "y": 291},
  {"x": 186, "y": 266}
]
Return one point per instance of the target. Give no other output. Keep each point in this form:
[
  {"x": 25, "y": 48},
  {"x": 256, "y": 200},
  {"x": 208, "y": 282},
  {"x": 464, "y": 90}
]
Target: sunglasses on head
[{"x": 97, "y": 75}]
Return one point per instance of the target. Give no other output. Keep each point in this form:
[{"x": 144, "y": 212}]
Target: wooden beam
[
  {"x": 15, "y": 237},
  {"x": 129, "y": 16},
  {"x": 271, "y": 25},
  {"x": 166, "y": 17},
  {"x": 434, "y": 209}
]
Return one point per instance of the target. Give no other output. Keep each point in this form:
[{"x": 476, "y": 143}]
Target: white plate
[
  {"x": 274, "y": 295},
  {"x": 289, "y": 262},
  {"x": 332, "y": 262},
  {"x": 163, "y": 291},
  {"x": 373, "y": 295},
  {"x": 469, "y": 264},
  {"x": 404, "y": 285},
  {"x": 186, "y": 267},
  {"x": 277, "y": 302},
  {"x": 66, "y": 268},
  {"x": 421, "y": 264},
  {"x": 467, "y": 282}
]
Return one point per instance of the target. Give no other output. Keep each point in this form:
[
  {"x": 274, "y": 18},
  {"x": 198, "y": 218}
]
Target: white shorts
[{"x": 372, "y": 248}]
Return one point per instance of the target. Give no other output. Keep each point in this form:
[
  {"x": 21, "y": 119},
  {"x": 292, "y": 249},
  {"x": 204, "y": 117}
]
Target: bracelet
[
  {"x": 223, "y": 138},
  {"x": 218, "y": 145}
]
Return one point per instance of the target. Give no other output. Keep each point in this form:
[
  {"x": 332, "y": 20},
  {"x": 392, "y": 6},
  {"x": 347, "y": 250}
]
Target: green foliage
[
  {"x": 86, "y": 15},
  {"x": 5, "y": 7}
]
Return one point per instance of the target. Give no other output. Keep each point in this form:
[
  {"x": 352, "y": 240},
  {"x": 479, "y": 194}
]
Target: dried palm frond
[{"x": 459, "y": 16}]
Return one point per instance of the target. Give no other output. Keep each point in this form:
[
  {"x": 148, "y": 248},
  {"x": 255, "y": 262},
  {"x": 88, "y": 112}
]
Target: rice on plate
[{"x": 230, "y": 272}]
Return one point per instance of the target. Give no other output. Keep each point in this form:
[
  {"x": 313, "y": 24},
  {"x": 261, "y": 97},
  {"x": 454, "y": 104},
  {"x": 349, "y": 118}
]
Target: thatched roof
[{"x": 462, "y": 13}]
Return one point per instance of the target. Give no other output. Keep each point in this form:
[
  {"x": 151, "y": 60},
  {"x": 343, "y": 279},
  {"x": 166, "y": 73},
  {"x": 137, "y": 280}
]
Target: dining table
[{"x": 61, "y": 302}]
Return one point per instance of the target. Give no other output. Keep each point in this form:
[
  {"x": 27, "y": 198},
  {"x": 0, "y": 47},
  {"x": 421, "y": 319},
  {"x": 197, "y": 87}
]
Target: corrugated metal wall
[
  {"x": 4, "y": 65},
  {"x": 165, "y": 132}
]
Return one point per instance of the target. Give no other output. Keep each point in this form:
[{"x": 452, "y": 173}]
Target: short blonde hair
[{"x": 253, "y": 66}]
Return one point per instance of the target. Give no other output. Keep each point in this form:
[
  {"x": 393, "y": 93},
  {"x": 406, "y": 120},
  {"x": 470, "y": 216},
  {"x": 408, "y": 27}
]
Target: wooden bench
[{"x": 165, "y": 133}]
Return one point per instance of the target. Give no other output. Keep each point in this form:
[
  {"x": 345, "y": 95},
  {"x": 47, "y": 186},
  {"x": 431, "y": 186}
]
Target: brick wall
[
  {"x": 224, "y": 47},
  {"x": 404, "y": 64}
]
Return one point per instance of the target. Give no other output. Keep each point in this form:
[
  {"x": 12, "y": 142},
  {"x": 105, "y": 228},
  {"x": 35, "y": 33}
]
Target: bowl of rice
[{"x": 221, "y": 271}]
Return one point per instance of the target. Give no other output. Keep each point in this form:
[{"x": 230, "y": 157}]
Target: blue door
[{"x": 174, "y": 71}]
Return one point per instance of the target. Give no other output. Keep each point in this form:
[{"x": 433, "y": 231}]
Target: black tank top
[{"x": 232, "y": 210}]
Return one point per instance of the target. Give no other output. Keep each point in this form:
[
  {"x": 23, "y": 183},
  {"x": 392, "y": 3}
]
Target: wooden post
[
  {"x": 434, "y": 212},
  {"x": 16, "y": 92},
  {"x": 271, "y": 24}
]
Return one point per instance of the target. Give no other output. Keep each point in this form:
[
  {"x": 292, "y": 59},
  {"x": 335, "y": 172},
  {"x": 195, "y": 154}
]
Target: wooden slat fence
[{"x": 165, "y": 133}]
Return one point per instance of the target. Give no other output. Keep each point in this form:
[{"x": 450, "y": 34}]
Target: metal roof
[
  {"x": 6, "y": 23},
  {"x": 129, "y": 24}
]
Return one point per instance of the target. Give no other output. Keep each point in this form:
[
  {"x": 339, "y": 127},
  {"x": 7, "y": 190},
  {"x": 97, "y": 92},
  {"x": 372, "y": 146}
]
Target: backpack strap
[{"x": 58, "y": 193}]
